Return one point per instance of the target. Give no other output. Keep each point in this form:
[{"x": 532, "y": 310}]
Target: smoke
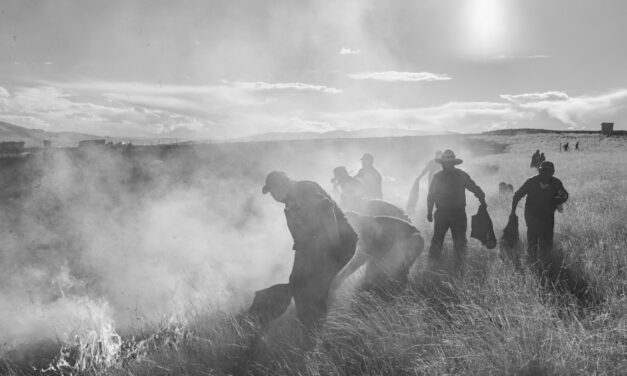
[{"x": 146, "y": 236}]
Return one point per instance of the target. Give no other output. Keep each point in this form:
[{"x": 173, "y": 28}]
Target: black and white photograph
[{"x": 313, "y": 187}]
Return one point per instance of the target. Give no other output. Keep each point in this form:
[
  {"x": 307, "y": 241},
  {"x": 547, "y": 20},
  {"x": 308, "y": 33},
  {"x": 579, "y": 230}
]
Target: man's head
[
  {"x": 448, "y": 159},
  {"x": 546, "y": 169},
  {"x": 367, "y": 160},
  {"x": 340, "y": 174},
  {"x": 537, "y": 151},
  {"x": 278, "y": 184}
]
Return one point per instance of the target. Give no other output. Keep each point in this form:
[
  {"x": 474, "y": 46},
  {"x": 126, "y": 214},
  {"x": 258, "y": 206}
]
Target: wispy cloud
[
  {"x": 536, "y": 97},
  {"x": 297, "y": 86},
  {"x": 520, "y": 57},
  {"x": 393, "y": 76},
  {"x": 349, "y": 51}
]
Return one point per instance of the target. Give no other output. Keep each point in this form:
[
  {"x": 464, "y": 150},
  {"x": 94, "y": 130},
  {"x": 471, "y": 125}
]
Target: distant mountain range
[{"x": 359, "y": 133}]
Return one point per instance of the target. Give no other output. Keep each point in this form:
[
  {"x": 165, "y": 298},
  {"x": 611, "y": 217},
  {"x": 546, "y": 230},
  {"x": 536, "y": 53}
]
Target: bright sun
[{"x": 485, "y": 32}]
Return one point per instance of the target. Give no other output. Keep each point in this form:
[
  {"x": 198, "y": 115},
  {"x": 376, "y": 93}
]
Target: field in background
[{"x": 493, "y": 321}]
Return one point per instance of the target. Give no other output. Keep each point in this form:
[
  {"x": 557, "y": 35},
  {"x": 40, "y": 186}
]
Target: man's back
[
  {"x": 448, "y": 189},
  {"x": 542, "y": 198},
  {"x": 373, "y": 181}
]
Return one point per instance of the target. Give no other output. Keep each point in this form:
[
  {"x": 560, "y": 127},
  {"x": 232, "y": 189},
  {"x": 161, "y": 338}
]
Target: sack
[
  {"x": 270, "y": 303},
  {"x": 511, "y": 237},
  {"x": 482, "y": 229}
]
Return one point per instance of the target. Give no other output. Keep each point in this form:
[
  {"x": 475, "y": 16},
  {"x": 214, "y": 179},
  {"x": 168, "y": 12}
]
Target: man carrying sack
[{"x": 448, "y": 193}]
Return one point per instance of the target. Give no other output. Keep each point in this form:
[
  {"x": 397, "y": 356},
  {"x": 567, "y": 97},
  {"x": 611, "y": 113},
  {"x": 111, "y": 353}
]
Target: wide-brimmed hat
[
  {"x": 449, "y": 157},
  {"x": 339, "y": 173},
  {"x": 546, "y": 165},
  {"x": 273, "y": 179}
]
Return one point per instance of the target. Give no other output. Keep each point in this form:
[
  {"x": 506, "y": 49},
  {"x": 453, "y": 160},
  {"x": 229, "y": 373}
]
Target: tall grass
[{"x": 495, "y": 320}]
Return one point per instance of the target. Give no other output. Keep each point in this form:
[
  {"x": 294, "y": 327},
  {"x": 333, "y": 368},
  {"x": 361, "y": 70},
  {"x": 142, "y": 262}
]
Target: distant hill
[
  {"x": 35, "y": 137},
  {"x": 518, "y": 131},
  {"x": 360, "y": 133}
]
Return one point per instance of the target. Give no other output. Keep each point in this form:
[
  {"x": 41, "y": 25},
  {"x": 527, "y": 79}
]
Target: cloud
[
  {"x": 393, "y": 76},
  {"x": 536, "y": 97},
  {"x": 520, "y": 57},
  {"x": 573, "y": 111},
  {"x": 349, "y": 51},
  {"x": 297, "y": 86}
]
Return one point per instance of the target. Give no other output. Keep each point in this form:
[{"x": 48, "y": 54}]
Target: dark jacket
[
  {"x": 541, "y": 201},
  {"x": 448, "y": 190},
  {"x": 373, "y": 181},
  {"x": 304, "y": 209}
]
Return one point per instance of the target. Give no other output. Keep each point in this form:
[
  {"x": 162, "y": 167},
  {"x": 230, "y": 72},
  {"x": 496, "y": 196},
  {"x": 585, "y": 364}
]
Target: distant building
[
  {"x": 89, "y": 143},
  {"x": 607, "y": 129},
  {"x": 11, "y": 147}
]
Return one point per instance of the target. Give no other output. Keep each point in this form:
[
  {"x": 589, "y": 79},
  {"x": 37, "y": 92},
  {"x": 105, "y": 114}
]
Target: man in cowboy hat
[
  {"x": 370, "y": 176},
  {"x": 448, "y": 193},
  {"x": 544, "y": 194},
  {"x": 353, "y": 190},
  {"x": 323, "y": 242}
]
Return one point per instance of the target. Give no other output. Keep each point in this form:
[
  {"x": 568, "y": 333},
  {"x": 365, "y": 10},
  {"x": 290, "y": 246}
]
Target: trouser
[
  {"x": 456, "y": 221},
  {"x": 539, "y": 237},
  {"x": 313, "y": 271},
  {"x": 540, "y": 253}
]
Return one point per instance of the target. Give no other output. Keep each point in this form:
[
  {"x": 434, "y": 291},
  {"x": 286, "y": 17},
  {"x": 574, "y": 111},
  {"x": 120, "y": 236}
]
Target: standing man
[
  {"x": 448, "y": 193},
  {"x": 323, "y": 242},
  {"x": 534, "y": 159},
  {"x": 544, "y": 194},
  {"x": 431, "y": 168},
  {"x": 369, "y": 175}
]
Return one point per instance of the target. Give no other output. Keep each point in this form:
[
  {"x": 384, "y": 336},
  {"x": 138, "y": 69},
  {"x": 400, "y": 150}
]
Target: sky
[{"x": 208, "y": 69}]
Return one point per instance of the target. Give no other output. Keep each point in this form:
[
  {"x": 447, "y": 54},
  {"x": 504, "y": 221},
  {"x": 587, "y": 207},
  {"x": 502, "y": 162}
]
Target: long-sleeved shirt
[
  {"x": 307, "y": 207},
  {"x": 448, "y": 190},
  {"x": 542, "y": 198},
  {"x": 373, "y": 181}
]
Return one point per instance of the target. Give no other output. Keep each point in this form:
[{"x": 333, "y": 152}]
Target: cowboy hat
[{"x": 449, "y": 157}]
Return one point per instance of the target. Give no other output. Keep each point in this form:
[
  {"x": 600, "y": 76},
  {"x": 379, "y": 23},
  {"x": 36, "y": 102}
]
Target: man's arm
[
  {"x": 562, "y": 194},
  {"x": 413, "y": 197},
  {"x": 520, "y": 193},
  {"x": 424, "y": 170},
  {"x": 433, "y": 188},
  {"x": 470, "y": 185},
  {"x": 329, "y": 222}
]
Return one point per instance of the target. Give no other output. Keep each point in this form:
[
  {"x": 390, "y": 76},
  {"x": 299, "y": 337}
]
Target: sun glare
[{"x": 485, "y": 31}]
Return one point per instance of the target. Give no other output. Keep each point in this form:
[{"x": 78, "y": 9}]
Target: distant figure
[
  {"x": 353, "y": 190},
  {"x": 566, "y": 146},
  {"x": 505, "y": 188},
  {"x": 544, "y": 194},
  {"x": 560, "y": 149},
  {"x": 323, "y": 242},
  {"x": 369, "y": 175},
  {"x": 431, "y": 168},
  {"x": 577, "y": 146},
  {"x": 388, "y": 246},
  {"x": 534, "y": 159},
  {"x": 541, "y": 159},
  {"x": 448, "y": 193}
]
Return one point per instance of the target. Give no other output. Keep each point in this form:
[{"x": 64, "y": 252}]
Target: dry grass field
[{"x": 122, "y": 255}]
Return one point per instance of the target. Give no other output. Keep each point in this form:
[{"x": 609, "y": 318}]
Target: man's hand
[{"x": 430, "y": 217}]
